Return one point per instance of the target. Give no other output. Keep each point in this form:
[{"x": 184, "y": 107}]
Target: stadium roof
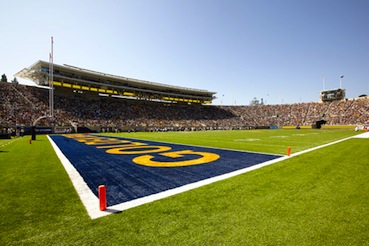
[{"x": 84, "y": 79}]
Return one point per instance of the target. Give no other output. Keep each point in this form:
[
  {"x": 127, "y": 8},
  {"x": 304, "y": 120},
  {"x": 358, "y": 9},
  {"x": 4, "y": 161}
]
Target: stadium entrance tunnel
[{"x": 318, "y": 124}]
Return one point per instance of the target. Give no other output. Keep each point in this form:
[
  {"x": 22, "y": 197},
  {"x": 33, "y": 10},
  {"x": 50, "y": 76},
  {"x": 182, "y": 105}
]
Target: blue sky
[{"x": 278, "y": 50}]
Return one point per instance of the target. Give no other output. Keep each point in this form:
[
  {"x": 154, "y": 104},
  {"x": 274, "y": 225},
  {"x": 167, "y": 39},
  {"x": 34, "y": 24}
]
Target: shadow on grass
[{"x": 114, "y": 211}]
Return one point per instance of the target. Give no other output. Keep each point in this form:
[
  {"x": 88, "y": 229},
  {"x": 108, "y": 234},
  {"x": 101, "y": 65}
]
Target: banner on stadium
[{"x": 62, "y": 129}]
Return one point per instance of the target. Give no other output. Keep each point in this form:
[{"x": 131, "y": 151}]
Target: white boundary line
[
  {"x": 363, "y": 135},
  {"x": 91, "y": 202},
  {"x": 88, "y": 198}
]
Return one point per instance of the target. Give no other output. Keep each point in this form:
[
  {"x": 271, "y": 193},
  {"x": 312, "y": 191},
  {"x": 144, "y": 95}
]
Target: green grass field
[{"x": 317, "y": 198}]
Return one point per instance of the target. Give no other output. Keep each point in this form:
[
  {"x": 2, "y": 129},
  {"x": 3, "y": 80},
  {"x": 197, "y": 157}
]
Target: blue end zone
[{"x": 126, "y": 180}]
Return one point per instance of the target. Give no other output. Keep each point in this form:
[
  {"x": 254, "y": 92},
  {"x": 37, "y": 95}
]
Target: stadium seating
[{"x": 21, "y": 105}]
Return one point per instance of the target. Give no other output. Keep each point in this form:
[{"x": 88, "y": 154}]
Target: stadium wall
[
  {"x": 338, "y": 127},
  {"x": 323, "y": 127},
  {"x": 294, "y": 127}
]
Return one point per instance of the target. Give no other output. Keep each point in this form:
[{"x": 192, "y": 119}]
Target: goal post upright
[{"x": 51, "y": 79}]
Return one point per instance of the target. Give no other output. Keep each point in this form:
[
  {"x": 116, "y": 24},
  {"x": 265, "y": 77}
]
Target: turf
[
  {"x": 318, "y": 198},
  {"x": 266, "y": 141}
]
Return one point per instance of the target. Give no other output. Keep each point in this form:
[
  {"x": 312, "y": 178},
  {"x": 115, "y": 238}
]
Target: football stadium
[{"x": 89, "y": 158}]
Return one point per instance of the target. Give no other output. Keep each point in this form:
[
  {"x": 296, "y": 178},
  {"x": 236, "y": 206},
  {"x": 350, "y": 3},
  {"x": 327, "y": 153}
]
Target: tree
[
  {"x": 15, "y": 81},
  {"x": 4, "y": 78}
]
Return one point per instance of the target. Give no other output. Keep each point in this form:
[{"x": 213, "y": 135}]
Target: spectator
[{"x": 22, "y": 105}]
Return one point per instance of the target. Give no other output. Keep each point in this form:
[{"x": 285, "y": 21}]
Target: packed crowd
[{"x": 22, "y": 105}]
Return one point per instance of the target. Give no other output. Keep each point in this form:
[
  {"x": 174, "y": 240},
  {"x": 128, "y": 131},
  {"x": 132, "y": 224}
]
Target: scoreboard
[{"x": 332, "y": 95}]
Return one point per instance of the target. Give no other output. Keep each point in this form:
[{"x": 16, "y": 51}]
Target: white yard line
[{"x": 11, "y": 141}]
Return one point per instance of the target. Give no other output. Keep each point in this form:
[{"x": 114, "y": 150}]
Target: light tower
[{"x": 341, "y": 77}]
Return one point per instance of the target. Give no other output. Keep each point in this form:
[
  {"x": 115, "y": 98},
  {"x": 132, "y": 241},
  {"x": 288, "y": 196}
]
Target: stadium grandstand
[
  {"x": 89, "y": 101},
  {"x": 84, "y": 80},
  {"x": 21, "y": 105}
]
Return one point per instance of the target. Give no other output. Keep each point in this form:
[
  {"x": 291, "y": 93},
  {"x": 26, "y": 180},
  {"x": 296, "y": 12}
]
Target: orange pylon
[
  {"x": 102, "y": 197},
  {"x": 288, "y": 151}
]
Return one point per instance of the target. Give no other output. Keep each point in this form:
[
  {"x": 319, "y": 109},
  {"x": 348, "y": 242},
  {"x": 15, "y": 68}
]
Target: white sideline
[
  {"x": 363, "y": 135},
  {"x": 91, "y": 202},
  {"x": 88, "y": 198}
]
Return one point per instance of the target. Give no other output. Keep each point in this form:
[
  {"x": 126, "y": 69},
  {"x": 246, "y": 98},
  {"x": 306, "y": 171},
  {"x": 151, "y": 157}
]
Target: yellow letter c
[{"x": 146, "y": 160}]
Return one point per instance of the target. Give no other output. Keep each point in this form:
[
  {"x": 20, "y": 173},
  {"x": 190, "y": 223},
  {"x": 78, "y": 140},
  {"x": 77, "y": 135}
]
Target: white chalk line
[
  {"x": 10, "y": 141},
  {"x": 88, "y": 198}
]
